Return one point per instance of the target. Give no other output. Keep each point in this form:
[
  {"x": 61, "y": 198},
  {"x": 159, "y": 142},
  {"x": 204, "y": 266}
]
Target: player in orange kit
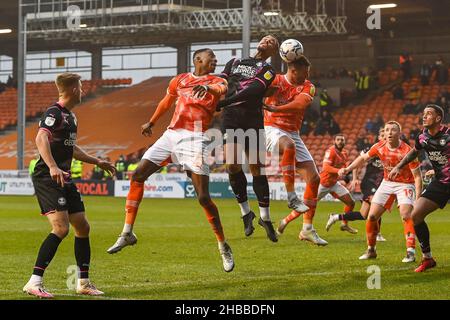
[
  {"x": 403, "y": 187},
  {"x": 196, "y": 95},
  {"x": 284, "y": 110},
  {"x": 335, "y": 159}
]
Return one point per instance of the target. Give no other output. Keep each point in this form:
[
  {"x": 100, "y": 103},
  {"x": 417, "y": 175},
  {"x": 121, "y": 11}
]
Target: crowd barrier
[{"x": 175, "y": 186}]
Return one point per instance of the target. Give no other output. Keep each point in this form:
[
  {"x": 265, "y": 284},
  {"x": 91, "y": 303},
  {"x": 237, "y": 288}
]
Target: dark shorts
[
  {"x": 244, "y": 128},
  {"x": 52, "y": 197},
  {"x": 368, "y": 188},
  {"x": 437, "y": 192}
]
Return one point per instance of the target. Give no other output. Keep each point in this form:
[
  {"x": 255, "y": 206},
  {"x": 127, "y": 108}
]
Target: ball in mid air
[{"x": 291, "y": 50}]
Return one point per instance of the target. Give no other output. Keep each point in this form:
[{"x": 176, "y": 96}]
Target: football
[{"x": 291, "y": 50}]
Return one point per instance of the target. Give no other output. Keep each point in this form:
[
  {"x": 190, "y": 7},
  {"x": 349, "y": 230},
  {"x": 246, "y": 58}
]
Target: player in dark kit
[
  {"x": 57, "y": 195},
  {"x": 369, "y": 184},
  {"x": 243, "y": 128},
  {"x": 435, "y": 140}
]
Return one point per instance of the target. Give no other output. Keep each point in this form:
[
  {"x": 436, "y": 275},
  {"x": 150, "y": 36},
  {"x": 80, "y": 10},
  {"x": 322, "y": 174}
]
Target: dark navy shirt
[
  {"x": 240, "y": 73},
  {"x": 438, "y": 150},
  {"x": 61, "y": 124}
]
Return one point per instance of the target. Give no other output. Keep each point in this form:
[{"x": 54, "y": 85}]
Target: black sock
[
  {"x": 379, "y": 225},
  {"x": 238, "y": 183},
  {"x": 83, "y": 256},
  {"x": 423, "y": 235},
  {"x": 351, "y": 216},
  {"x": 46, "y": 254},
  {"x": 261, "y": 188}
]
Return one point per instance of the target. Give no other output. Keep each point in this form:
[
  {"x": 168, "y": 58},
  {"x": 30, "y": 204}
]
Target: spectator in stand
[
  {"x": 332, "y": 74},
  {"x": 410, "y": 107},
  {"x": 398, "y": 93},
  {"x": 421, "y": 105},
  {"x": 425, "y": 73},
  {"x": 406, "y": 65},
  {"x": 343, "y": 72},
  {"x": 97, "y": 173},
  {"x": 363, "y": 84},
  {"x": 121, "y": 166},
  {"x": 414, "y": 93},
  {"x": 369, "y": 125},
  {"x": 326, "y": 104},
  {"x": 132, "y": 166},
  {"x": 441, "y": 71},
  {"x": 326, "y": 124},
  {"x": 334, "y": 127},
  {"x": 378, "y": 123},
  {"x": 443, "y": 99}
]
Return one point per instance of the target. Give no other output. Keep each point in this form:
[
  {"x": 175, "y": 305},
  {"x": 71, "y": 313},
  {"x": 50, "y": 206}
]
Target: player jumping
[
  {"x": 242, "y": 119},
  {"x": 369, "y": 184},
  {"x": 57, "y": 195},
  {"x": 435, "y": 140},
  {"x": 283, "y": 117},
  {"x": 196, "y": 96},
  {"x": 403, "y": 187}
]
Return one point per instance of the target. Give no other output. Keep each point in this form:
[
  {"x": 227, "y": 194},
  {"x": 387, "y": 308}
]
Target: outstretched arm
[
  {"x": 82, "y": 155},
  {"x": 357, "y": 163},
  {"x": 300, "y": 103},
  {"x": 407, "y": 159}
]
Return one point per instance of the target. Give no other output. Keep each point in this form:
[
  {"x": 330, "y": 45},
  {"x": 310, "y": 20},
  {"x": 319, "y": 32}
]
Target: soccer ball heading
[{"x": 291, "y": 50}]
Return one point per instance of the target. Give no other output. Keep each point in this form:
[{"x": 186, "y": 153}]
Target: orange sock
[
  {"x": 310, "y": 198},
  {"x": 134, "y": 198},
  {"x": 288, "y": 169},
  {"x": 347, "y": 209},
  {"x": 212, "y": 214},
  {"x": 410, "y": 234},
  {"x": 371, "y": 232}
]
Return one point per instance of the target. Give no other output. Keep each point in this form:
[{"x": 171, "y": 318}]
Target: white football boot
[
  {"x": 312, "y": 236},
  {"x": 125, "y": 239},
  {"x": 227, "y": 257}
]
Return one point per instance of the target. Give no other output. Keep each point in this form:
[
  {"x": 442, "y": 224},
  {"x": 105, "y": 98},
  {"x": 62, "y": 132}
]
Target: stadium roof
[{"x": 410, "y": 17}]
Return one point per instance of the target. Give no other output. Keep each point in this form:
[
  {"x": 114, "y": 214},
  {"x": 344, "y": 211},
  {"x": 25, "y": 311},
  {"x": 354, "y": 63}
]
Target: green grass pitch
[{"x": 177, "y": 257}]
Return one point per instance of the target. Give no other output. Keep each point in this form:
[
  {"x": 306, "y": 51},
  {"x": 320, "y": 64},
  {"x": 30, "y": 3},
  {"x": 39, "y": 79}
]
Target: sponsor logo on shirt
[
  {"x": 438, "y": 157},
  {"x": 49, "y": 121},
  {"x": 72, "y": 140},
  {"x": 246, "y": 71}
]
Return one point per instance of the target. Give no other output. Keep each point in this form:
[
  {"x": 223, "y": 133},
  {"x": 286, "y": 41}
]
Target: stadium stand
[
  {"x": 40, "y": 95},
  {"x": 108, "y": 124}
]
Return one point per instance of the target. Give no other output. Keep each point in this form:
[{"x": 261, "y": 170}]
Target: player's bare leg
[
  {"x": 308, "y": 170},
  {"x": 201, "y": 185},
  {"x": 375, "y": 213},
  {"x": 286, "y": 151},
  {"x": 410, "y": 234},
  {"x": 349, "y": 206},
  {"x": 144, "y": 170},
  {"x": 59, "y": 221},
  {"x": 83, "y": 254},
  {"x": 238, "y": 183},
  {"x": 422, "y": 208}
]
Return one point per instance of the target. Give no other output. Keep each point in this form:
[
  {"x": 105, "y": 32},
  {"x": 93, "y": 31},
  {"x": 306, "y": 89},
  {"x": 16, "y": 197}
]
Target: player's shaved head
[
  {"x": 199, "y": 52},
  {"x": 66, "y": 81}
]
